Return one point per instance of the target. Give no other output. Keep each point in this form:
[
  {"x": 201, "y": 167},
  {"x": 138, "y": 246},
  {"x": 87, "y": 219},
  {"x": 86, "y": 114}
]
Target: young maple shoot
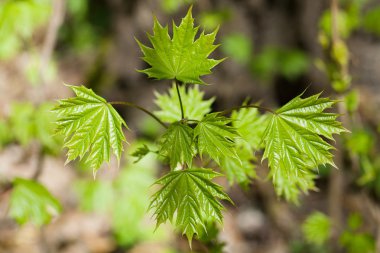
[{"x": 293, "y": 137}]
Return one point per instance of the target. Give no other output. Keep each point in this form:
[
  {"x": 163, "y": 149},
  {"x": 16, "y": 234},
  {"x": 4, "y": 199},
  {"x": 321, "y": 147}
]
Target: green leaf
[
  {"x": 215, "y": 137},
  {"x": 250, "y": 126},
  {"x": 31, "y": 201},
  {"x": 140, "y": 153},
  {"x": 192, "y": 196},
  {"x": 177, "y": 144},
  {"x": 194, "y": 107},
  {"x": 181, "y": 57},
  {"x": 317, "y": 228},
  {"x": 91, "y": 126},
  {"x": 294, "y": 143},
  {"x": 240, "y": 170}
]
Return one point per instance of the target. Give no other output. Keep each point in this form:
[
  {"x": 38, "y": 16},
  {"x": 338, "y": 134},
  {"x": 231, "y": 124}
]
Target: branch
[{"x": 141, "y": 109}]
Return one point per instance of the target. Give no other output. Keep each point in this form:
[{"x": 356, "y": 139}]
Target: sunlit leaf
[
  {"x": 177, "y": 144},
  {"x": 181, "y": 57},
  {"x": 91, "y": 127},
  {"x": 192, "y": 196},
  {"x": 194, "y": 106},
  {"x": 294, "y": 144},
  {"x": 215, "y": 137}
]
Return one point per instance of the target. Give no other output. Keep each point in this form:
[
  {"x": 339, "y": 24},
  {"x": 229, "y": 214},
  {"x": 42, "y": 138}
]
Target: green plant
[{"x": 197, "y": 141}]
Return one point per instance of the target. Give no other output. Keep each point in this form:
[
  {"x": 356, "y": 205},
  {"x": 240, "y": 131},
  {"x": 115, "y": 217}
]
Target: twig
[{"x": 141, "y": 109}]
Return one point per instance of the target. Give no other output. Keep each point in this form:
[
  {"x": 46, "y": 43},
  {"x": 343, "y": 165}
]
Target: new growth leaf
[
  {"x": 215, "y": 137},
  {"x": 182, "y": 57},
  {"x": 91, "y": 127},
  {"x": 188, "y": 198},
  {"x": 194, "y": 105},
  {"x": 294, "y": 144}
]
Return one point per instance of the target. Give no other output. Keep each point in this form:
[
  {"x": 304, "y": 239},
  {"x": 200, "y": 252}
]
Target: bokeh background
[{"x": 276, "y": 50}]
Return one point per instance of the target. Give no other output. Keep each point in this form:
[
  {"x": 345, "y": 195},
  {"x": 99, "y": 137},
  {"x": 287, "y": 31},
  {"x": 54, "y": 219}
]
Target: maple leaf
[
  {"x": 177, "y": 144},
  {"x": 240, "y": 170},
  {"x": 294, "y": 143},
  {"x": 250, "y": 126},
  {"x": 194, "y": 106},
  {"x": 181, "y": 57},
  {"x": 192, "y": 196},
  {"x": 215, "y": 137},
  {"x": 91, "y": 126}
]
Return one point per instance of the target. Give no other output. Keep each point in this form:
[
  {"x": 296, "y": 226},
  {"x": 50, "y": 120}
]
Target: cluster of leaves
[{"x": 197, "y": 141}]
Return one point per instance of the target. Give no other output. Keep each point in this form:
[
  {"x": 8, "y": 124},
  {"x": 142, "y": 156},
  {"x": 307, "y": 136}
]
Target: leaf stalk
[
  {"x": 179, "y": 98},
  {"x": 141, "y": 109}
]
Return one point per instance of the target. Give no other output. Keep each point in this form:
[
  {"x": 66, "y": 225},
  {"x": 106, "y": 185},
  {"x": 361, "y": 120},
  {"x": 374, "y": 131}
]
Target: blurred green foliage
[
  {"x": 171, "y": 6},
  {"x": 271, "y": 61},
  {"x": 238, "y": 47},
  {"x": 27, "y": 123},
  {"x": 362, "y": 146},
  {"x": 299, "y": 246},
  {"x": 32, "y": 202},
  {"x": 317, "y": 228},
  {"x": 360, "y": 142},
  {"x": 371, "y": 21},
  {"x": 125, "y": 200},
  {"x": 86, "y": 27},
  {"x": 347, "y": 21},
  {"x": 351, "y": 101},
  {"x": 354, "y": 241},
  {"x": 19, "y": 19},
  {"x": 210, "y": 20}
]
